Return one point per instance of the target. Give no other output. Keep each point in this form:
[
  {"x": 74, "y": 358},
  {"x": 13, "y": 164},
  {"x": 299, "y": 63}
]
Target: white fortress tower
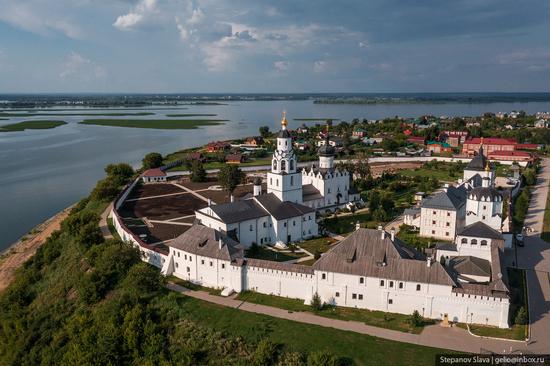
[
  {"x": 284, "y": 181},
  {"x": 485, "y": 203}
]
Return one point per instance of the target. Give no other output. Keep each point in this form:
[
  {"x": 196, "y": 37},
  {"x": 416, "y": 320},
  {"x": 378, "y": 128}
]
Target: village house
[
  {"x": 541, "y": 123},
  {"x": 235, "y": 158},
  {"x": 453, "y": 138},
  {"x": 254, "y": 141},
  {"x": 471, "y": 146},
  {"x": 437, "y": 147},
  {"x": 419, "y": 140},
  {"x": 359, "y": 133},
  {"x": 153, "y": 176},
  {"x": 195, "y": 156},
  {"x": 217, "y": 146}
]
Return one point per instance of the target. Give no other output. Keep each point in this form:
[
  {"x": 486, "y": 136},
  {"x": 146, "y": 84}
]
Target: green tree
[
  {"x": 152, "y": 160},
  {"x": 198, "y": 173},
  {"x": 229, "y": 177},
  {"x": 316, "y": 302},
  {"x": 264, "y": 131},
  {"x": 322, "y": 358},
  {"x": 521, "y": 317},
  {"x": 121, "y": 172},
  {"x": 416, "y": 319},
  {"x": 265, "y": 353}
]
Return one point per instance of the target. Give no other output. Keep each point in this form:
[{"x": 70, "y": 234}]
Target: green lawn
[
  {"x": 346, "y": 224},
  {"x": 516, "y": 332},
  {"x": 106, "y": 114},
  {"x": 262, "y": 253},
  {"x": 163, "y": 124},
  {"x": 193, "y": 286},
  {"x": 31, "y": 125},
  {"x": 546, "y": 225},
  {"x": 413, "y": 239},
  {"x": 440, "y": 174},
  {"x": 380, "y": 319},
  {"x": 358, "y": 348},
  {"x": 191, "y": 115},
  {"x": 317, "y": 245}
]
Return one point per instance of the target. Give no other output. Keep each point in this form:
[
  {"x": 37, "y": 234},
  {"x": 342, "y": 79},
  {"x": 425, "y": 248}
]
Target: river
[{"x": 44, "y": 171}]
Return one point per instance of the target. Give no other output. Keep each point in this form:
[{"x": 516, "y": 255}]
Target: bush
[
  {"x": 105, "y": 190},
  {"x": 321, "y": 358},
  {"x": 152, "y": 160},
  {"x": 416, "y": 319},
  {"x": 198, "y": 173},
  {"x": 265, "y": 353}
]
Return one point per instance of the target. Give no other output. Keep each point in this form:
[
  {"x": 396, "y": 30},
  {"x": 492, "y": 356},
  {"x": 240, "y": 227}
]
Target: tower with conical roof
[{"x": 284, "y": 180}]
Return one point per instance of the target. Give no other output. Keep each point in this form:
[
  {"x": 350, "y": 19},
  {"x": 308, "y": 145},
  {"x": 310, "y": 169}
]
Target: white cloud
[
  {"x": 319, "y": 66},
  {"x": 137, "y": 16},
  {"x": 79, "y": 67},
  {"x": 281, "y": 66},
  {"x": 38, "y": 17},
  {"x": 363, "y": 44}
]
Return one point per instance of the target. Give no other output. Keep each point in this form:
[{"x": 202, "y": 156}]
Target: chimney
[
  {"x": 357, "y": 225},
  {"x": 392, "y": 234},
  {"x": 257, "y": 186},
  {"x": 232, "y": 198},
  {"x": 209, "y": 202},
  {"x": 220, "y": 243},
  {"x": 429, "y": 262},
  {"x": 382, "y": 232}
]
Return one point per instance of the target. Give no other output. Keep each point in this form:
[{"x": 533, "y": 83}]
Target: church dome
[
  {"x": 284, "y": 134},
  {"x": 257, "y": 181},
  {"x": 485, "y": 193},
  {"x": 326, "y": 150}
]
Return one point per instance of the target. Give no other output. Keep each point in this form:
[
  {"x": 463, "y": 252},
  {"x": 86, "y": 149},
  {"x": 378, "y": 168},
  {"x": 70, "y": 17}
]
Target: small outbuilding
[{"x": 154, "y": 175}]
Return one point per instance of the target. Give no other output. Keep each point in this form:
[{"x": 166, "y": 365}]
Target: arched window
[
  {"x": 417, "y": 287},
  {"x": 474, "y": 242},
  {"x": 291, "y": 164},
  {"x": 464, "y": 241},
  {"x": 274, "y": 165},
  {"x": 484, "y": 242},
  {"x": 283, "y": 165}
]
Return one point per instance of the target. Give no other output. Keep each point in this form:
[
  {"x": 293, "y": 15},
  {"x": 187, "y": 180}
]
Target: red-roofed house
[
  {"x": 453, "y": 138},
  {"x": 437, "y": 147},
  {"x": 528, "y": 146},
  {"x": 217, "y": 146},
  {"x": 235, "y": 158},
  {"x": 196, "y": 156},
  {"x": 154, "y": 175},
  {"x": 510, "y": 155},
  {"x": 416, "y": 140},
  {"x": 490, "y": 144}
]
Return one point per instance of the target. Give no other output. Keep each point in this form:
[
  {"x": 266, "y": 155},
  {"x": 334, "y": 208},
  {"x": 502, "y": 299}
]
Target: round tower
[{"x": 326, "y": 153}]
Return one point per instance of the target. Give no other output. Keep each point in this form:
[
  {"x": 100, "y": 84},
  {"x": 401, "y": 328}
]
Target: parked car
[{"x": 519, "y": 240}]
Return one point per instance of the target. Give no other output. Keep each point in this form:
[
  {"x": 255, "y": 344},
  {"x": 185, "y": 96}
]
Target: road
[{"x": 535, "y": 257}]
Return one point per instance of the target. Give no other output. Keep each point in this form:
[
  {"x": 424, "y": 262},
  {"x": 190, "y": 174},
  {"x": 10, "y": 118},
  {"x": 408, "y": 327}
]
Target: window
[
  {"x": 464, "y": 241},
  {"x": 178, "y": 254},
  {"x": 188, "y": 269},
  {"x": 484, "y": 207},
  {"x": 433, "y": 222},
  {"x": 284, "y": 224},
  {"x": 434, "y": 212},
  {"x": 417, "y": 287},
  {"x": 277, "y": 182},
  {"x": 448, "y": 224},
  {"x": 328, "y": 191},
  {"x": 177, "y": 265},
  {"x": 483, "y": 242},
  {"x": 324, "y": 276},
  {"x": 292, "y": 165},
  {"x": 354, "y": 296},
  {"x": 401, "y": 285},
  {"x": 270, "y": 181},
  {"x": 446, "y": 233},
  {"x": 361, "y": 280},
  {"x": 390, "y": 301},
  {"x": 381, "y": 282},
  {"x": 337, "y": 294},
  {"x": 274, "y": 165},
  {"x": 190, "y": 259},
  {"x": 293, "y": 222},
  {"x": 211, "y": 264},
  {"x": 251, "y": 228},
  {"x": 483, "y": 217},
  {"x": 391, "y": 283},
  {"x": 474, "y": 242},
  {"x": 223, "y": 265},
  {"x": 202, "y": 261},
  {"x": 448, "y": 214},
  {"x": 433, "y": 232},
  {"x": 283, "y": 164},
  {"x": 360, "y": 296},
  {"x": 291, "y": 180},
  {"x": 186, "y": 257},
  {"x": 265, "y": 224}
]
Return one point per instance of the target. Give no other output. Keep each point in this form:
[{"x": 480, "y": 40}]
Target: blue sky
[{"x": 274, "y": 46}]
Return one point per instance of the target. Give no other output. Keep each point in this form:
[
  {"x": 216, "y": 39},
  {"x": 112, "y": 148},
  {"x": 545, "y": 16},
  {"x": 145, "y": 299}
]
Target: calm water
[{"x": 45, "y": 171}]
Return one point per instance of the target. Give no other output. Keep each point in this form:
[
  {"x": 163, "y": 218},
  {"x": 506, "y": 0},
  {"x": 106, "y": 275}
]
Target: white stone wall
[
  {"x": 440, "y": 224},
  {"x": 280, "y": 283},
  {"x": 488, "y": 212},
  {"x": 287, "y": 187},
  {"x": 473, "y": 247}
]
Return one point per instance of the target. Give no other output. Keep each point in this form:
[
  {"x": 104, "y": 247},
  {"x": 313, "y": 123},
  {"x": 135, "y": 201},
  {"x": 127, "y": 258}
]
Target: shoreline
[{"x": 23, "y": 249}]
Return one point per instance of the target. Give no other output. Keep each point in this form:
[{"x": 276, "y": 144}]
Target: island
[
  {"x": 31, "y": 125},
  {"x": 160, "y": 124}
]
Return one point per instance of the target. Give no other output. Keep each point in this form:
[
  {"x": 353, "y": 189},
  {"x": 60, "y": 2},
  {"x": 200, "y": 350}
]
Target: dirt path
[{"x": 24, "y": 249}]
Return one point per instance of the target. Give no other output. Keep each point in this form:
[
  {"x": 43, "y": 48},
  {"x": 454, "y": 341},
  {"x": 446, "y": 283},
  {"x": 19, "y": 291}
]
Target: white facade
[{"x": 441, "y": 223}]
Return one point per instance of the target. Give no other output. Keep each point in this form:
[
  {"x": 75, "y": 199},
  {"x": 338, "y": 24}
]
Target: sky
[{"x": 286, "y": 46}]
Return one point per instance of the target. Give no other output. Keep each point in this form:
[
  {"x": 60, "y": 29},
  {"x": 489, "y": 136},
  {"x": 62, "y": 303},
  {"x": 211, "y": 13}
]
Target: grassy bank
[
  {"x": 31, "y": 125},
  {"x": 380, "y": 319},
  {"x": 162, "y": 124}
]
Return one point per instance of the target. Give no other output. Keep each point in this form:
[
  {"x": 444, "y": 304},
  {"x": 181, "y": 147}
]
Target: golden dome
[
  {"x": 284, "y": 122},
  {"x": 487, "y": 167}
]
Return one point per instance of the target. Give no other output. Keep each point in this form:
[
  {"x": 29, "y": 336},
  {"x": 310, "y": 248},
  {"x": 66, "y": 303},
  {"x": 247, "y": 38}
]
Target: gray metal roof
[
  {"x": 279, "y": 266},
  {"x": 281, "y": 210},
  {"x": 481, "y": 230},
  {"x": 468, "y": 265},
  {"x": 478, "y": 162},
  {"x": 239, "y": 211},
  {"x": 365, "y": 253},
  {"x": 484, "y": 192},
  {"x": 451, "y": 199},
  {"x": 205, "y": 241}
]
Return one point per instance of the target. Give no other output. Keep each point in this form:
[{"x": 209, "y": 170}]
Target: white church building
[{"x": 286, "y": 212}]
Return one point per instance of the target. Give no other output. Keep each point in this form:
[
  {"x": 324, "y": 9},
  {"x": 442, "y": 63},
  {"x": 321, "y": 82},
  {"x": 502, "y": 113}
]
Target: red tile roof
[
  {"x": 509, "y": 153},
  {"x": 528, "y": 146},
  {"x": 491, "y": 141},
  {"x": 154, "y": 173}
]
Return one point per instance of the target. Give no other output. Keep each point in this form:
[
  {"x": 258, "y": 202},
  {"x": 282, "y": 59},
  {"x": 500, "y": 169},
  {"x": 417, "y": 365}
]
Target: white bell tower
[{"x": 284, "y": 181}]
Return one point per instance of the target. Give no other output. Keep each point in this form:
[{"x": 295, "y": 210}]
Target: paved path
[
  {"x": 433, "y": 336},
  {"x": 535, "y": 256},
  {"x": 194, "y": 193},
  {"x": 103, "y": 224}
]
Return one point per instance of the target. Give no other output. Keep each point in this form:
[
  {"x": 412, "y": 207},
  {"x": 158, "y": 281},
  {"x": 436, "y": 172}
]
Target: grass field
[
  {"x": 31, "y": 125},
  {"x": 161, "y": 124},
  {"x": 412, "y": 238},
  {"x": 191, "y": 115},
  {"x": 33, "y": 114},
  {"x": 346, "y": 224},
  {"x": 546, "y": 225},
  {"x": 380, "y": 319},
  {"x": 440, "y": 174},
  {"x": 360, "y": 349},
  {"x": 317, "y": 245},
  {"x": 516, "y": 332},
  {"x": 270, "y": 255}
]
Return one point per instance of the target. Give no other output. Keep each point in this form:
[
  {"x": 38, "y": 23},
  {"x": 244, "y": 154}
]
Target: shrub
[
  {"x": 316, "y": 302},
  {"x": 265, "y": 353},
  {"x": 416, "y": 319},
  {"x": 321, "y": 358},
  {"x": 521, "y": 317},
  {"x": 152, "y": 160}
]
